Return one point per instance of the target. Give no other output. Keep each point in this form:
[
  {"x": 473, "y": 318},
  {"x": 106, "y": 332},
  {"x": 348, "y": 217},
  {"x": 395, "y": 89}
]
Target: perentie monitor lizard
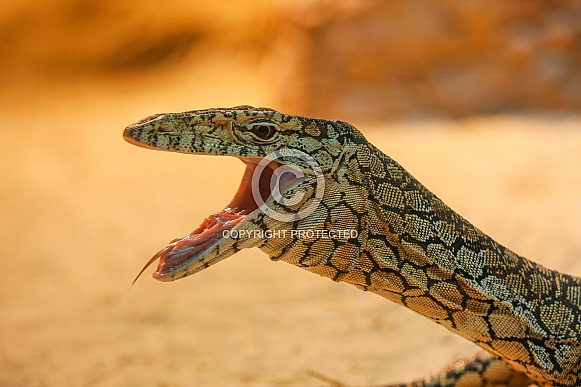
[{"x": 307, "y": 179}]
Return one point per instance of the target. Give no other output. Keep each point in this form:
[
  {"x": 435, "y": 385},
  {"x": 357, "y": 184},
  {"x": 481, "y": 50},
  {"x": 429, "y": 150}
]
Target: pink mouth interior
[{"x": 182, "y": 250}]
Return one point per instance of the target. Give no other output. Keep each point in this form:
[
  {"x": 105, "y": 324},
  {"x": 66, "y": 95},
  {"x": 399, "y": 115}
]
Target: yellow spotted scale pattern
[{"x": 410, "y": 247}]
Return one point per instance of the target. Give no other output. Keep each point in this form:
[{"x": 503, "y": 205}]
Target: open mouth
[{"x": 183, "y": 252}]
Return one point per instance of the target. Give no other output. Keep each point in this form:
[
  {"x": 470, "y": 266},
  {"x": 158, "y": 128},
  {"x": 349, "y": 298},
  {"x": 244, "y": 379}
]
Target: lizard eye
[{"x": 263, "y": 132}]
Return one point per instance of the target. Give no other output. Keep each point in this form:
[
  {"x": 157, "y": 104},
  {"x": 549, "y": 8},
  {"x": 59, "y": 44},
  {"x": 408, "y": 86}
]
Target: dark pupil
[{"x": 263, "y": 131}]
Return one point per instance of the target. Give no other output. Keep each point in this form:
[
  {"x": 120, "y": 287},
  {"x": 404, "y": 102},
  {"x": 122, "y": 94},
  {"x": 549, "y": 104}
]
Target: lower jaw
[
  {"x": 181, "y": 253},
  {"x": 183, "y": 250}
]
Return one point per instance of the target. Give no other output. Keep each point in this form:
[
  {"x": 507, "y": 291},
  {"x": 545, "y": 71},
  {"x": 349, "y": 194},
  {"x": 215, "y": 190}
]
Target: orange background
[{"x": 82, "y": 211}]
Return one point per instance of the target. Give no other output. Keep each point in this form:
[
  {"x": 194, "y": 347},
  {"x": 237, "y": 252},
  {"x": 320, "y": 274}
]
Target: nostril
[{"x": 164, "y": 128}]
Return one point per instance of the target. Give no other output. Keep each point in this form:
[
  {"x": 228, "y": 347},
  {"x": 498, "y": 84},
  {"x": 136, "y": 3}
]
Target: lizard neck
[
  {"x": 414, "y": 250},
  {"x": 421, "y": 254}
]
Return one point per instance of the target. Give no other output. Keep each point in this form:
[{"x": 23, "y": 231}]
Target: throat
[{"x": 244, "y": 202}]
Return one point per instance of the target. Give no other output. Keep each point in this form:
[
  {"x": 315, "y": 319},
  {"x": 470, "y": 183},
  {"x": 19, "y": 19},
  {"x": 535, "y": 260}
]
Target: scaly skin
[{"x": 409, "y": 247}]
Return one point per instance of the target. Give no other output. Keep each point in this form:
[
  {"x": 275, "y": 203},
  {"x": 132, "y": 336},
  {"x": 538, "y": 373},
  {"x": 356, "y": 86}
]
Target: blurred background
[{"x": 479, "y": 100}]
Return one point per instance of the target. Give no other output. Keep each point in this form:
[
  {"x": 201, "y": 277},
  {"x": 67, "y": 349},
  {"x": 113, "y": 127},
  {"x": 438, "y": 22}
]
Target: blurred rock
[
  {"x": 372, "y": 59},
  {"x": 64, "y": 39},
  {"x": 349, "y": 59}
]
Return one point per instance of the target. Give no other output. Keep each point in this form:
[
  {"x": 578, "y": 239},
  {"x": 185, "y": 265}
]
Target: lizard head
[{"x": 288, "y": 161}]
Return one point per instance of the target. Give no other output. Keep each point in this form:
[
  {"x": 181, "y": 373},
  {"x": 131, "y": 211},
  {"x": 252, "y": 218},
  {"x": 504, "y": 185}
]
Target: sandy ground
[{"x": 82, "y": 211}]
